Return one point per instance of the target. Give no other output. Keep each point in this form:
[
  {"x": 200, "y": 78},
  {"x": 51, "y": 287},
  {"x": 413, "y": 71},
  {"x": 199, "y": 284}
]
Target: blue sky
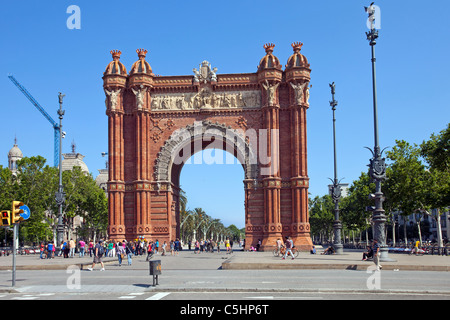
[{"x": 47, "y": 57}]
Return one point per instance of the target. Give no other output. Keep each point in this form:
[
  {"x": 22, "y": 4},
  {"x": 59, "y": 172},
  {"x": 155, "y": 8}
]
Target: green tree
[
  {"x": 35, "y": 185},
  {"x": 353, "y": 207},
  {"x": 321, "y": 216},
  {"x": 406, "y": 184},
  {"x": 436, "y": 152}
]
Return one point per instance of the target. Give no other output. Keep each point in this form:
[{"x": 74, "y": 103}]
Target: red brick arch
[{"x": 157, "y": 122}]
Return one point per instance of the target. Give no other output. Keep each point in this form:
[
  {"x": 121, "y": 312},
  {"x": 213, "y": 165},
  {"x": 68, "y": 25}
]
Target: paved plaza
[{"x": 236, "y": 272}]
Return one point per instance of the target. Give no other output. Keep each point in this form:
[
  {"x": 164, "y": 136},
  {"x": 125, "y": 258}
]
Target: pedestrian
[
  {"x": 177, "y": 246},
  {"x": 288, "y": 244},
  {"x": 196, "y": 247},
  {"x": 61, "y": 248},
  {"x": 227, "y": 245},
  {"x": 99, "y": 250},
  {"x": 111, "y": 250},
  {"x": 42, "y": 250},
  {"x": 376, "y": 254},
  {"x": 66, "y": 249},
  {"x": 129, "y": 250},
  {"x": 172, "y": 247},
  {"x": 91, "y": 248},
  {"x": 50, "y": 250},
  {"x": 120, "y": 253},
  {"x": 279, "y": 244},
  {"x": 72, "y": 248},
  {"x": 82, "y": 247},
  {"x": 156, "y": 246},
  {"x": 164, "y": 245}
]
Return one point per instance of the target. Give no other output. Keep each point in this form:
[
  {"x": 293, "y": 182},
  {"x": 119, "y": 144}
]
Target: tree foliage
[{"x": 36, "y": 183}]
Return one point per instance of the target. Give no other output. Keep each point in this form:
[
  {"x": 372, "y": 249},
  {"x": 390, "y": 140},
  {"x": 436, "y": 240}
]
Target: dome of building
[
  {"x": 141, "y": 66},
  {"x": 74, "y": 159},
  {"x": 14, "y": 155},
  {"x": 115, "y": 66},
  {"x": 297, "y": 59},
  {"x": 15, "y": 152},
  {"x": 269, "y": 60}
]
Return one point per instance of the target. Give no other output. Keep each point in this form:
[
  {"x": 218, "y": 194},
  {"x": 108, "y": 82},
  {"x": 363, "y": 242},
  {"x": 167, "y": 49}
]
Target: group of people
[
  {"x": 67, "y": 249},
  {"x": 121, "y": 249},
  {"x": 210, "y": 245}
]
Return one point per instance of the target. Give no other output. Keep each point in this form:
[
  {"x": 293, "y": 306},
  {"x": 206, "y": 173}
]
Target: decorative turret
[
  {"x": 297, "y": 67},
  {"x": 270, "y": 74},
  {"x": 140, "y": 81},
  {"x": 115, "y": 67},
  {"x": 114, "y": 80},
  {"x": 297, "y": 59},
  {"x": 269, "y": 61},
  {"x": 141, "y": 66}
]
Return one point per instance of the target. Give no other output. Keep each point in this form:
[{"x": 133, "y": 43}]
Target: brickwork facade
[{"x": 156, "y": 123}]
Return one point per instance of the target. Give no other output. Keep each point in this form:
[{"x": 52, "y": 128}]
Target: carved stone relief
[
  {"x": 206, "y": 99},
  {"x": 113, "y": 98}
]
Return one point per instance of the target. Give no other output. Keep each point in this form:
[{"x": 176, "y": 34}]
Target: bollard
[{"x": 155, "y": 270}]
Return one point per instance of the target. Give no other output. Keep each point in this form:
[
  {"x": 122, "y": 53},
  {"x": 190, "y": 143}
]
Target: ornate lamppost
[
  {"x": 377, "y": 166},
  {"x": 60, "y": 195},
  {"x": 336, "y": 189}
]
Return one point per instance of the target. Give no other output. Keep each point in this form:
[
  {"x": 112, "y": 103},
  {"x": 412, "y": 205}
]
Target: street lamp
[
  {"x": 377, "y": 166},
  {"x": 60, "y": 195},
  {"x": 336, "y": 189}
]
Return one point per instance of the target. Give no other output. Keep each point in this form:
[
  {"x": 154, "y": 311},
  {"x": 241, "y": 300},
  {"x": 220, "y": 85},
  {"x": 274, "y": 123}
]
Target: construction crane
[{"x": 46, "y": 115}]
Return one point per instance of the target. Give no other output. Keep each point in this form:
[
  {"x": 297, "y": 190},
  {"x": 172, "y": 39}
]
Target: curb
[
  {"x": 259, "y": 266},
  {"x": 278, "y": 290}
]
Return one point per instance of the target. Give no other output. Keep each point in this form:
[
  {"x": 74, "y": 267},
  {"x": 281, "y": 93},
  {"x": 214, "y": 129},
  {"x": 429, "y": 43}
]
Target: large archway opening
[{"x": 217, "y": 187}]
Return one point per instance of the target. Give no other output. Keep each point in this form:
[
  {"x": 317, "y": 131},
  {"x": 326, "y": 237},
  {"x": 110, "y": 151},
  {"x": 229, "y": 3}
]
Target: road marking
[
  {"x": 131, "y": 295},
  {"x": 25, "y": 298},
  {"x": 158, "y": 296},
  {"x": 284, "y": 298}
]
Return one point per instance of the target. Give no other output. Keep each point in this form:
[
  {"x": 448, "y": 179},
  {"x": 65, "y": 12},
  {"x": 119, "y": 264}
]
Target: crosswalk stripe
[{"x": 158, "y": 296}]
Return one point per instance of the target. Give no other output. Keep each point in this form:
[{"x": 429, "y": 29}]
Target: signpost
[{"x": 21, "y": 210}]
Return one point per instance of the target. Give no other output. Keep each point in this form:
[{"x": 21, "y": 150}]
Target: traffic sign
[{"x": 26, "y": 212}]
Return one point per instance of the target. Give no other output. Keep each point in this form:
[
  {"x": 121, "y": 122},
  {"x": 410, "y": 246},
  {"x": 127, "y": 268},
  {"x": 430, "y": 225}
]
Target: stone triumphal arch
[{"x": 156, "y": 123}]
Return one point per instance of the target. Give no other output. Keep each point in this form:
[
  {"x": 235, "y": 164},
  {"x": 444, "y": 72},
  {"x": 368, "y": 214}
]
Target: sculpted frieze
[{"x": 206, "y": 99}]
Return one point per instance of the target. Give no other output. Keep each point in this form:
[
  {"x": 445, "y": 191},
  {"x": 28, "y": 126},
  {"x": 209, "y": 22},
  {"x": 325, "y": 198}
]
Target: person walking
[
  {"x": 42, "y": 250},
  {"x": 120, "y": 251},
  {"x": 99, "y": 250},
  {"x": 72, "y": 248},
  {"x": 164, "y": 245},
  {"x": 177, "y": 246},
  {"x": 50, "y": 250},
  {"x": 172, "y": 247},
  {"x": 288, "y": 244},
  {"x": 91, "y": 248},
  {"x": 129, "y": 252},
  {"x": 82, "y": 247},
  {"x": 279, "y": 244}
]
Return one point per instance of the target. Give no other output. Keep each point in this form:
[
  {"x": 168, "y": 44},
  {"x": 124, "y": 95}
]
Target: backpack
[{"x": 101, "y": 250}]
